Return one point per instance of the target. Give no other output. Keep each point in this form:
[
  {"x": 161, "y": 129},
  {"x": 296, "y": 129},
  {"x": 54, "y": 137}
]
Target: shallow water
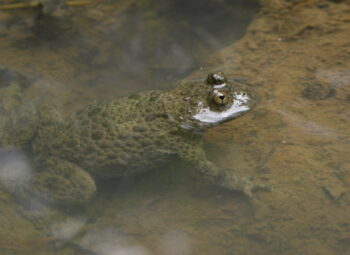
[
  {"x": 114, "y": 48},
  {"x": 297, "y": 139}
]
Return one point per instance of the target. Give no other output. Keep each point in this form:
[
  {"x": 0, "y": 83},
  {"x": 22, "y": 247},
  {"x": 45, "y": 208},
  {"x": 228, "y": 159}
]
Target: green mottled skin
[{"x": 116, "y": 138}]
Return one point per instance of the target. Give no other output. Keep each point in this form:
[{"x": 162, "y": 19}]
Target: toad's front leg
[{"x": 224, "y": 177}]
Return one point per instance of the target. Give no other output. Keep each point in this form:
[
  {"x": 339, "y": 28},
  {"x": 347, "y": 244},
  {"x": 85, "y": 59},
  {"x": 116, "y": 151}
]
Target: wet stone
[
  {"x": 334, "y": 192},
  {"x": 318, "y": 91}
]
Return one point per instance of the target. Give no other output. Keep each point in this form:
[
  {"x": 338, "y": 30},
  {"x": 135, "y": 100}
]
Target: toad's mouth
[{"x": 241, "y": 104}]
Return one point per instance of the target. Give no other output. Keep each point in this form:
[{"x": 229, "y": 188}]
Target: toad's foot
[{"x": 243, "y": 184}]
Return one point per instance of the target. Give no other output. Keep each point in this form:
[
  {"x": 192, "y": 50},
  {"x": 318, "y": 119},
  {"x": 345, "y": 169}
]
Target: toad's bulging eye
[{"x": 220, "y": 98}]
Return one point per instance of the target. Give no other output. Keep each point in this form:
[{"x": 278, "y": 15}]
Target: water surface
[{"x": 295, "y": 56}]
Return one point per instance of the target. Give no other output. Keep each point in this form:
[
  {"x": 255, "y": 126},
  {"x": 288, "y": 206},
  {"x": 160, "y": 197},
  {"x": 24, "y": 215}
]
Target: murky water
[
  {"x": 117, "y": 47},
  {"x": 294, "y": 55}
]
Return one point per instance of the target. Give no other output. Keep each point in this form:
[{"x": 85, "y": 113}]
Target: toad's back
[{"x": 116, "y": 138}]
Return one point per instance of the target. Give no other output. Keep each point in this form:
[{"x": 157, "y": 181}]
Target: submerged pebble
[{"x": 318, "y": 91}]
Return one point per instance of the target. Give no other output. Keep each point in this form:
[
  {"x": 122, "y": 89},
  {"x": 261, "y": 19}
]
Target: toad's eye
[{"x": 220, "y": 98}]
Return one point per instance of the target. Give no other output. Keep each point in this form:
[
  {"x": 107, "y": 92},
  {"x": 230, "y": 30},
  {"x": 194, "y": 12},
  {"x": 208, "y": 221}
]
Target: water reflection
[
  {"x": 175, "y": 243},
  {"x": 110, "y": 241},
  {"x": 15, "y": 171}
]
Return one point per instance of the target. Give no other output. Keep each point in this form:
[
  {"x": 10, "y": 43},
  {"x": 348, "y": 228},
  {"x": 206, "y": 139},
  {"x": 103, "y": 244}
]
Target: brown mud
[
  {"x": 296, "y": 56},
  {"x": 297, "y": 140}
]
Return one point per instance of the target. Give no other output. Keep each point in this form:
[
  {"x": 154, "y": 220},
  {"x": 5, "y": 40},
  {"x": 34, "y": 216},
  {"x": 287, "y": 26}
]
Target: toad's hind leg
[
  {"x": 18, "y": 118},
  {"x": 63, "y": 182}
]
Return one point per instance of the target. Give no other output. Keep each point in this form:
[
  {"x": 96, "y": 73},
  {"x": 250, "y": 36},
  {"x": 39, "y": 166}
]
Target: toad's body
[{"x": 129, "y": 135}]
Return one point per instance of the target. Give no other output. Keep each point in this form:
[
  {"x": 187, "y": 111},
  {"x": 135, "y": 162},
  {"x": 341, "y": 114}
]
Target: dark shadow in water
[{"x": 145, "y": 44}]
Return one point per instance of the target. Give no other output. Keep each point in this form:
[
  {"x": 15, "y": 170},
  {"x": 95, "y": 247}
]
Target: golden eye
[{"x": 220, "y": 98}]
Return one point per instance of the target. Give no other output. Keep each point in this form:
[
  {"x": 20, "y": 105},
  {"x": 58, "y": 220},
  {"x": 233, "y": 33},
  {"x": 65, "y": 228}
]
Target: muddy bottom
[{"x": 296, "y": 56}]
